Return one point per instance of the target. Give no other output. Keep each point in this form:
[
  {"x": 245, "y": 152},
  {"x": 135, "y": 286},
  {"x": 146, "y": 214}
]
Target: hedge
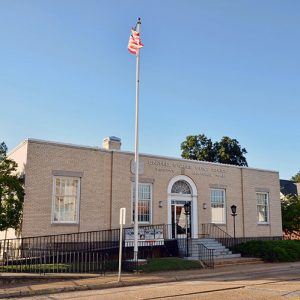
[{"x": 271, "y": 251}]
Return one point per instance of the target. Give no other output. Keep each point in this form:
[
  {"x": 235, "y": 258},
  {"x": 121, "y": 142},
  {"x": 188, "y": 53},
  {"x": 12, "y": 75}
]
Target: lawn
[{"x": 169, "y": 264}]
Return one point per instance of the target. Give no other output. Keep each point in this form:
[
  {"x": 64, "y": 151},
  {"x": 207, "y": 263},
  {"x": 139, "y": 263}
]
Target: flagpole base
[{"x": 135, "y": 255}]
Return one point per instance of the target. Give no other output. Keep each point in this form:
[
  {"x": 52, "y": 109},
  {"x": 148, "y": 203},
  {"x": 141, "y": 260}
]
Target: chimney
[{"x": 112, "y": 143}]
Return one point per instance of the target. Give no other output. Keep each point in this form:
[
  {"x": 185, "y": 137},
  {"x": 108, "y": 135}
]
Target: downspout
[
  {"x": 242, "y": 193},
  {"x": 111, "y": 189}
]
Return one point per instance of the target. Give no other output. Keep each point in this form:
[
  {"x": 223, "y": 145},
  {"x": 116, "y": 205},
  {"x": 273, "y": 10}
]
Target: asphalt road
[{"x": 282, "y": 283}]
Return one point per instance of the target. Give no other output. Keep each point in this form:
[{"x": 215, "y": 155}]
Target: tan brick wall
[
  {"x": 205, "y": 176},
  {"x": 95, "y": 187},
  {"x": 254, "y": 181},
  {"x": 98, "y": 212}
]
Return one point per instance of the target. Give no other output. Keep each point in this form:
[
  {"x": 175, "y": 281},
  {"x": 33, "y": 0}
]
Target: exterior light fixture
[
  {"x": 234, "y": 214},
  {"x": 233, "y": 209},
  {"x": 187, "y": 209}
]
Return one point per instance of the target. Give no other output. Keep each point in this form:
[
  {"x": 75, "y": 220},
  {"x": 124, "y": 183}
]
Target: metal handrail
[
  {"x": 206, "y": 256},
  {"x": 213, "y": 231}
]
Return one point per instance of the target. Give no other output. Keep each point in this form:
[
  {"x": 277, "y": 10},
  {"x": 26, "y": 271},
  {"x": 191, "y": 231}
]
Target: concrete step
[
  {"x": 211, "y": 246},
  {"x": 237, "y": 255},
  {"x": 206, "y": 240},
  {"x": 218, "y": 258},
  {"x": 220, "y": 251},
  {"x": 205, "y": 243},
  {"x": 217, "y": 249},
  {"x": 216, "y": 252}
]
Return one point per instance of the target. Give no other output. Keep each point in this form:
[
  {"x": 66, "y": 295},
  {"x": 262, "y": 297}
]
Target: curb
[
  {"x": 85, "y": 287},
  {"x": 114, "y": 284},
  {"x": 106, "y": 285}
]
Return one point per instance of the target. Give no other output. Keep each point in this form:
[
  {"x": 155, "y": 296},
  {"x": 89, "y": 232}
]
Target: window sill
[
  {"x": 263, "y": 224},
  {"x": 142, "y": 223},
  {"x": 64, "y": 224}
]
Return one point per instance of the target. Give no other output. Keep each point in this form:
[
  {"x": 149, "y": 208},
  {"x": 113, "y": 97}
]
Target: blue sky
[{"x": 214, "y": 67}]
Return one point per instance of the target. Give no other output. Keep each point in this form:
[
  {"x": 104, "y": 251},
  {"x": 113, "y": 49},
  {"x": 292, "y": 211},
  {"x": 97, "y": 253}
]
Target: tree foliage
[
  {"x": 226, "y": 151},
  {"x": 296, "y": 177},
  {"x": 198, "y": 147},
  {"x": 11, "y": 192},
  {"x": 290, "y": 210}
]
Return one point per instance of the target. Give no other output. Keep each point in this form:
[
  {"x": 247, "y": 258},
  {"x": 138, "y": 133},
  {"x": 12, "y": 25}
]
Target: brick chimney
[{"x": 112, "y": 143}]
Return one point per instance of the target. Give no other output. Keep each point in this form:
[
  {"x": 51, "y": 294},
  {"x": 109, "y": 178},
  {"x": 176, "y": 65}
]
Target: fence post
[{"x": 122, "y": 222}]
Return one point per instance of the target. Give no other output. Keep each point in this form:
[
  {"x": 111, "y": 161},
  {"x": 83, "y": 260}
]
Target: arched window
[{"x": 181, "y": 187}]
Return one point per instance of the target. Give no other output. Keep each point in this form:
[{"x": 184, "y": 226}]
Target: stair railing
[
  {"x": 206, "y": 256},
  {"x": 212, "y": 231}
]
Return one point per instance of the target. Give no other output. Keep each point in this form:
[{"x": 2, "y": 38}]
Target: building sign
[
  {"x": 164, "y": 166},
  {"x": 146, "y": 237}
]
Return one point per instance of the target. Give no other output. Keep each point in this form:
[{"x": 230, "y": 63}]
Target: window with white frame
[
  {"x": 262, "y": 202},
  {"x": 144, "y": 202},
  {"x": 66, "y": 195},
  {"x": 217, "y": 200}
]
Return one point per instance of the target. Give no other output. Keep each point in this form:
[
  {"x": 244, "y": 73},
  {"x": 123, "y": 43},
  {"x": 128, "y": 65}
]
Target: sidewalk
[{"x": 81, "y": 282}]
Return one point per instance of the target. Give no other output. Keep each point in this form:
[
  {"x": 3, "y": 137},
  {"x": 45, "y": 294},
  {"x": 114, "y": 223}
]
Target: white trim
[
  {"x": 77, "y": 207},
  {"x": 184, "y": 197},
  {"x": 225, "y": 207},
  {"x": 267, "y": 206},
  {"x": 151, "y": 202}
]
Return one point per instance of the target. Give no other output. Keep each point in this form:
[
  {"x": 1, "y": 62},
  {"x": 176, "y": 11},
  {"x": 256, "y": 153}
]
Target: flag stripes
[{"x": 135, "y": 42}]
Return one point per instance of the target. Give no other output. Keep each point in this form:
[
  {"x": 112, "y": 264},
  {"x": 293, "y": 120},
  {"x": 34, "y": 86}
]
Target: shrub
[{"x": 271, "y": 251}]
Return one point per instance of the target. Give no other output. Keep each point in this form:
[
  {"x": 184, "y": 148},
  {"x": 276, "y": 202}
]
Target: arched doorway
[{"x": 182, "y": 190}]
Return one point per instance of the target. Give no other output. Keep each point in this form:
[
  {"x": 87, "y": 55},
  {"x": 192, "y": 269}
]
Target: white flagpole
[{"x": 136, "y": 156}]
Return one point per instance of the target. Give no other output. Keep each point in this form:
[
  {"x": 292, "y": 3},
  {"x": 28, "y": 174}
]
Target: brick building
[{"x": 72, "y": 188}]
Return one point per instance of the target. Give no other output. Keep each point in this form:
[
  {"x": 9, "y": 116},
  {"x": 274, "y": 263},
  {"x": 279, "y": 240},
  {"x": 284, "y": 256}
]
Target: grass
[
  {"x": 62, "y": 267},
  {"x": 271, "y": 251},
  {"x": 168, "y": 264},
  {"x": 35, "y": 268},
  {"x": 153, "y": 265}
]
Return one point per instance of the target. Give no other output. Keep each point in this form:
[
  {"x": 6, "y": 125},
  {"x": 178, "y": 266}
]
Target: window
[
  {"x": 262, "y": 202},
  {"x": 181, "y": 187},
  {"x": 144, "y": 203},
  {"x": 217, "y": 199},
  {"x": 66, "y": 191}
]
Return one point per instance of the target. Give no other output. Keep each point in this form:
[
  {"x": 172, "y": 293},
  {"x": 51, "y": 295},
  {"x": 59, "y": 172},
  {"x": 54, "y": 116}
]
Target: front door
[{"x": 181, "y": 225}]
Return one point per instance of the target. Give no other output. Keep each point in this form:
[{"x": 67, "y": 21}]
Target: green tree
[
  {"x": 296, "y": 177},
  {"x": 290, "y": 209},
  {"x": 11, "y": 192},
  {"x": 230, "y": 152},
  {"x": 227, "y": 150},
  {"x": 198, "y": 147}
]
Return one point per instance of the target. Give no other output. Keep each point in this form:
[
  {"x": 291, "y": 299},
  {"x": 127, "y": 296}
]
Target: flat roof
[{"x": 96, "y": 148}]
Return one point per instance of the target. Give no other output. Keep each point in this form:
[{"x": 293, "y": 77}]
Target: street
[{"x": 280, "y": 283}]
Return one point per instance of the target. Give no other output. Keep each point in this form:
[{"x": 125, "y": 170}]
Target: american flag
[{"x": 134, "y": 43}]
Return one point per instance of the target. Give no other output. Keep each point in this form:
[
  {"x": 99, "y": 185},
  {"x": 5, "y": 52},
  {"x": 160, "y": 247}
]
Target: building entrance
[
  {"x": 181, "y": 223},
  {"x": 182, "y": 190}
]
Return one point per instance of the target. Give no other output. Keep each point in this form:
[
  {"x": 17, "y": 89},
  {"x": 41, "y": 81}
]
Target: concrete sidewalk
[{"x": 80, "y": 282}]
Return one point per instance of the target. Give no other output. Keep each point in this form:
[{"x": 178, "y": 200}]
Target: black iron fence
[
  {"x": 92, "y": 252},
  {"x": 206, "y": 256},
  {"x": 214, "y": 232}
]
